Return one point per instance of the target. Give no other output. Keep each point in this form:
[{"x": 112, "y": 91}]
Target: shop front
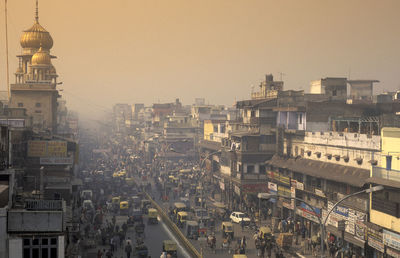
[{"x": 355, "y": 228}]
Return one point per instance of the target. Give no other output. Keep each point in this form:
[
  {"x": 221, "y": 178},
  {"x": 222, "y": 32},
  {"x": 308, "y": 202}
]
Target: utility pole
[{"x": 7, "y": 65}]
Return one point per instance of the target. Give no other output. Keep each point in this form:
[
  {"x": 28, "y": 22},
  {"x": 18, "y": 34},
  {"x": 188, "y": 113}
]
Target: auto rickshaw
[
  {"x": 145, "y": 204},
  {"x": 170, "y": 247},
  {"x": 115, "y": 200},
  {"x": 122, "y": 173},
  {"x": 152, "y": 217},
  {"x": 199, "y": 190},
  {"x": 179, "y": 206},
  {"x": 124, "y": 208},
  {"x": 181, "y": 218},
  {"x": 130, "y": 181},
  {"x": 199, "y": 202},
  {"x": 115, "y": 175},
  {"x": 265, "y": 233},
  {"x": 141, "y": 251},
  {"x": 227, "y": 229},
  {"x": 192, "y": 229}
]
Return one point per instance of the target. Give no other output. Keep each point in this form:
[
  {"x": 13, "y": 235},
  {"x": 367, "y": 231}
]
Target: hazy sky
[{"x": 148, "y": 51}]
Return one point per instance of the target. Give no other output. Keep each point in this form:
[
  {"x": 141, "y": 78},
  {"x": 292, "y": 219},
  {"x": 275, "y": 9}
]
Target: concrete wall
[
  {"x": 35, "y": 221},
  {"x": 348, "y": 140},
  {"x": 338, "y": 144},
  {"x": 385, "y": 220},
  {"x": 15, "y": 248},
  {"x": 3, "y": 233},
  {"x": 391, "y": 146}
]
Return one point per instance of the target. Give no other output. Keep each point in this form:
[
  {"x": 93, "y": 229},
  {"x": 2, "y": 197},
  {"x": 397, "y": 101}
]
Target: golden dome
[
  {"x": 36, "y": 37},
  {"x": 41, "y": 57}
]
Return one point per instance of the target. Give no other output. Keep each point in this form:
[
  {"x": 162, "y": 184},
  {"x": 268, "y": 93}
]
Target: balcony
[
  {"x": 35, "y": 221},
  {"x": 41, "y": 205},
  {"x": 382, "y": 173}
]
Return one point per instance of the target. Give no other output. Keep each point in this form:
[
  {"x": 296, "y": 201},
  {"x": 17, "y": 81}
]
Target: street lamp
[{"x": 322, "y": 224}]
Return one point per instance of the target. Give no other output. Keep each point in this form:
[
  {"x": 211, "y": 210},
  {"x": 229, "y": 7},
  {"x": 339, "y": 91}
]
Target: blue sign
[{"x": 307, "y": 208}]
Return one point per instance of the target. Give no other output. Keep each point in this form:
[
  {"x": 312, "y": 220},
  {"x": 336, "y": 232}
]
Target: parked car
[{"x": 238, "y": 217}]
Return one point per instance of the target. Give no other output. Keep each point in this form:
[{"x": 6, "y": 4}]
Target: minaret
[{"x": 36, "y": 77}]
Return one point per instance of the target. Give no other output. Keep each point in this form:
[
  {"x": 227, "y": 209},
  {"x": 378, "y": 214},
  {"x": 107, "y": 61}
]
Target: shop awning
[
  {"x": 331, "y": 171},
  {"x": 384, "y": 182}
]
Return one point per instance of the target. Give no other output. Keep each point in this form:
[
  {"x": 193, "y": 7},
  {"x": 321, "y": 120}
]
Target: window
[
  {"x": 20, "y": 104},
  {"x": 43, "y": 247},
  {"x": 262, "y": 169},
  {"x": 253, "y": 113},
  {"x": 38, "y": 111},
  {"x": 300, "y": 116},
  {"x": 334, "y": 93},
  {"x": 250, "y": 168},
  {"x": 222, "y": 128},
  {"x": 38, "y": 104},
  {"x": 216, "y": 128}
]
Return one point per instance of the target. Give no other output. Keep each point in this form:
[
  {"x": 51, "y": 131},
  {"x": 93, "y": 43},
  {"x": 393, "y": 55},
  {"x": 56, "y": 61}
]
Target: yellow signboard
[
  {"x": 37, "y": 149},
  {"x": 56, "y": 149}
]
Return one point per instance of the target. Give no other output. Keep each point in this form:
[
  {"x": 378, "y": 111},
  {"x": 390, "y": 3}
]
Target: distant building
[
  {"x": 384, "y": 226},
  {"x": 335, "y": 88},
  {"x": 268, "y": 88},
  {"x": 361, "y": 91}
]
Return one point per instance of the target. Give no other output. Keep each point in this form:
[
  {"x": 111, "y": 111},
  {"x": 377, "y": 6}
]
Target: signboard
[
  {"x": 56, "y": 148},
  {"x": 18, "y": 123},
  {"x": 37, "y": 149},
  {"x": 307, "y": 215},
  {"x": 237, "y": 190},
  {"x": 300, "y": 186},
  {"x": 272, "y": 187},
  {"x": 289, "y": 206},
  {"x": 319, "y": 192},
  {"x": 393, "y": 253},
  {"x": 56, "y": 161},
  {"x": 254, "y": 188},
  {"x": 222, "y": 185},
  {"x": 354, "y": 220},
  {"x": 283, "y": 179},
  {"x": 375, "y": 239},
  {"x": 391, "y": 239},
  {"x": 308, "y": 209},
  {"x": 284, "y": 191}
]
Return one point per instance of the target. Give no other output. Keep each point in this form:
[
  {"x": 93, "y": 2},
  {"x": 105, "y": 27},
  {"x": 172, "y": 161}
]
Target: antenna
[
  {"x": 349, "y": 72},
  {"x": 7, "y": 65},
  {"x": 281, "y": 75},
  {"x": 37, "y": 11}
]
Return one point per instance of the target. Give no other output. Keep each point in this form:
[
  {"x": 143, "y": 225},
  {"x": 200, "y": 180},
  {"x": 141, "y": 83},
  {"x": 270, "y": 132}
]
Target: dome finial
[{"x": 37, "y": 11}]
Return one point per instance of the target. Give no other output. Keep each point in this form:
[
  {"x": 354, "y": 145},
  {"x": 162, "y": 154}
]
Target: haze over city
[{"x": 151, "y": 51}]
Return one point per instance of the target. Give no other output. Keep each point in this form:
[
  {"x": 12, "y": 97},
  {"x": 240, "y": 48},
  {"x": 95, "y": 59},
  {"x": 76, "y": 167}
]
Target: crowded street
[{"x": 117, "y": 218}]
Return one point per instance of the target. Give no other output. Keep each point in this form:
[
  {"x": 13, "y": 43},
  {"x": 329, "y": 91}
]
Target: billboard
[{"x": 38, "y": 149}]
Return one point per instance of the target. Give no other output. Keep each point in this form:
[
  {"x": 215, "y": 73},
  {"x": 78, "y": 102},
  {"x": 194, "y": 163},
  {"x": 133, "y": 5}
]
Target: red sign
[{"x": 254, "y": 188}]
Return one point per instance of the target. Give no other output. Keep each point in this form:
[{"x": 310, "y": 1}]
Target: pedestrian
[
  {"x": 242, "y": 224},
  {"x": 99, "y": 254},
  {"x": 112, "y": 244},
  {"x": 128, "y": 250}
]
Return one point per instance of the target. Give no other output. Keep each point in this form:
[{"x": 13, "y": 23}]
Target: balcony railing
[
  {"x": 386, "y": 174},
  {"x": 43, "y": 205}
]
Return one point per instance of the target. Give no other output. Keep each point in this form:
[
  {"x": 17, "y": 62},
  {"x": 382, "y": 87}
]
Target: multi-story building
[
  {"x": 36, "y": 79},
  {"x": 383, "y": 235}
]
